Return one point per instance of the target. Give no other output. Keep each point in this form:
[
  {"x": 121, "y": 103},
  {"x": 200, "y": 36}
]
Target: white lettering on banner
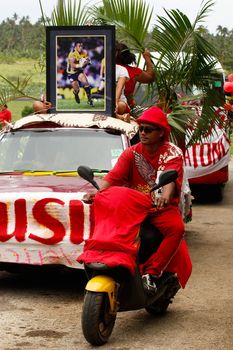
[{"x": 209, "y": 156}]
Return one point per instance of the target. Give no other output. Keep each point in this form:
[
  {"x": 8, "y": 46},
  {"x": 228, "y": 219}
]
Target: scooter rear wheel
[
  {"x": 159, "y": 307},
  {"x": 97, "y": 319}
]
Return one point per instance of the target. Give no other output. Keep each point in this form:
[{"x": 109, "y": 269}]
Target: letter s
[{"x": 43, "y": 218}]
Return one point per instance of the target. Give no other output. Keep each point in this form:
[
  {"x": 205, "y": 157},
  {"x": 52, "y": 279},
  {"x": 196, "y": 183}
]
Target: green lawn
[
  {"x": 68, "y": 104},
  {"x": 16, "y": 108},
  {"x": 21, "y": 69}
]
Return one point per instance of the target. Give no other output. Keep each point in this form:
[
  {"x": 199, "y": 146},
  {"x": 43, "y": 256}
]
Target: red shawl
[{"x": 118, "y": 214}]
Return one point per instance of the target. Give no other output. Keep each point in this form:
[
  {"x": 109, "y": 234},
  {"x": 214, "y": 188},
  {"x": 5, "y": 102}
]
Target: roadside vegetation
[
  {"x": 24, "y": 43},
  {"x": 23, "y": 68}
]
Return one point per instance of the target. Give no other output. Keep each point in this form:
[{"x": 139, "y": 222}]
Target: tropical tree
[
  {"x": 184, "y": 58},
  {"x": 131, "y": 18},
  {"x": 66, "y": 13}
]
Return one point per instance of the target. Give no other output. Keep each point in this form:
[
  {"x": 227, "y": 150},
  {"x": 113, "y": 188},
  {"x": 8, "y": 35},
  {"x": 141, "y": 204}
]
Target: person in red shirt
[
  {"x": 139, "y": 167},
  {"x": 128, "y": 60},
  {"x": 5, "y": 115}
]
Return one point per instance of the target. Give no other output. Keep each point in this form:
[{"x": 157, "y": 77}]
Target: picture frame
[{"x": 80, "y": 69}]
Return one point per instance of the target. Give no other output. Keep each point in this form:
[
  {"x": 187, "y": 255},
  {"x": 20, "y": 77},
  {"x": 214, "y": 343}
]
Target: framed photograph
[{"x": 80, "y": 69}]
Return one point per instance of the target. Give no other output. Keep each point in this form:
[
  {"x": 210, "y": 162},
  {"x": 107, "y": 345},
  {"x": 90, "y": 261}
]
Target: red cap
[{"x": 156, "y": 116}]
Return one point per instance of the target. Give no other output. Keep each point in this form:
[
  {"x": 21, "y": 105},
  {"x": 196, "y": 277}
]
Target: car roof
[{"x": 78, "y": 120}]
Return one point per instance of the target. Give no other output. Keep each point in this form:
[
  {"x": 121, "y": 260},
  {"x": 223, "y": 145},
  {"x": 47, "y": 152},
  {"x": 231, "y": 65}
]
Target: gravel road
[{"x": 43, "y": 310}]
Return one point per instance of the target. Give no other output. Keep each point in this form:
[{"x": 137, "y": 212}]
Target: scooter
[{"x": 113, "y": 289}]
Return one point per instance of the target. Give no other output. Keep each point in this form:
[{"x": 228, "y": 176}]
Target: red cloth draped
[{"x": 118, "y": 214}]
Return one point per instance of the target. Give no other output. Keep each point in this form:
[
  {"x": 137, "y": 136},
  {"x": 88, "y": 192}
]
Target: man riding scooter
[{"x": 139, "y": 167}]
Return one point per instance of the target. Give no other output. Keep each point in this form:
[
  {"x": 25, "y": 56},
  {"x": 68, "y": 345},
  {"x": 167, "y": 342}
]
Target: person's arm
[
  {"x": 104, "y": 184},
  {"x": 172, "y": 190},
  {"x": 102, "y": 70},
  {"x": 147, "y": 76},
  {"x": 119, "y": 87},
  {"x": 89, "y": 196},
  {"x": 73, "y": 63},
  {"x": 118, "y": 176}
]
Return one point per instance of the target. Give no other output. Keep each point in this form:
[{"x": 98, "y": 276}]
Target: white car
[{"x": 42, "y": 218}]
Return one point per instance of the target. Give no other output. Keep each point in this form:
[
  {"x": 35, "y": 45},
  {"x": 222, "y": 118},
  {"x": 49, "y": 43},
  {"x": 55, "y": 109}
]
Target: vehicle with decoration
[
  {"x": 42, "y": 218},
  {"x": 206, "y": 161}
]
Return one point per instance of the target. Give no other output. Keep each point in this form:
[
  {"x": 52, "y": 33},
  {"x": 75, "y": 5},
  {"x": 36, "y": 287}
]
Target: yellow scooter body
[{"x": 105, "y": 284}]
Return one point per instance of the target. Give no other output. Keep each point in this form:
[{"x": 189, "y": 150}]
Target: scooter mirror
[
  {"x": 87, "y": 174},
  {"x": 165, "y": 178}
]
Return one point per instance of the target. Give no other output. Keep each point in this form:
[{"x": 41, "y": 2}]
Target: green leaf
[
  {"x": 185, "y": 59},
  {"x": 14, "y": 90},
  {"x": 68, "y": 13},
  {"x": 131, "y": 18}
]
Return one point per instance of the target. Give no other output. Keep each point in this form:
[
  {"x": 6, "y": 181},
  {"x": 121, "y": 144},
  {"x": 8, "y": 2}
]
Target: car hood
[
  {"x": 43, "y": 219},
  {"x": 43, "y": 183}
]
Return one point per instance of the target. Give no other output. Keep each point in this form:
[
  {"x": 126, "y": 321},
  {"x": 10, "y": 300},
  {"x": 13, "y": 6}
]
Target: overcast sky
[{"x": 220, "y": 15}]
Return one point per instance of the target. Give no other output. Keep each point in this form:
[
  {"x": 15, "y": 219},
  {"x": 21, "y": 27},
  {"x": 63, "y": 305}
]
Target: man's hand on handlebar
[
  {"x": 161, "y": 202},
  {"x": 167, "y": 194},
  {"x": 88, "y": 198}
]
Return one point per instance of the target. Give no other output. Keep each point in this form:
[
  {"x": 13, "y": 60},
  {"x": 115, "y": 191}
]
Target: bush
[{"x": 26, "y": 111}]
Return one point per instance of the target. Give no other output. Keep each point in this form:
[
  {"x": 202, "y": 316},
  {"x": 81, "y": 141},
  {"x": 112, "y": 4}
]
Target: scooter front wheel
[{"x": 97, "y": 319}]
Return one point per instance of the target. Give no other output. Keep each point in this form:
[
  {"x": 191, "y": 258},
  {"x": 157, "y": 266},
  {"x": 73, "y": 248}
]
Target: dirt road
[{"x": 43, "y": 311}]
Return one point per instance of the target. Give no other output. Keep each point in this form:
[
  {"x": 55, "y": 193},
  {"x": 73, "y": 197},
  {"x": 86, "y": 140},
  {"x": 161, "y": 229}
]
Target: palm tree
[
  {"x": 131, "y": 18},
  {"x": 67, "y": 13},
  {"x": 222, "y": 31},
  {"x": 184, "y": 58},
  {"x": 14, "y": 90}
]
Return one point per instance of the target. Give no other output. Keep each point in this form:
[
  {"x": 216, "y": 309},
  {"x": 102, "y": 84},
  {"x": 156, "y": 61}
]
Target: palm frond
[
  {"x": 185, "y": 55},
  {"x": 42, "y": 14},
  {"x": 204, "y": 12},
  {"x": 178, "y": 120},
  {"x": 131, "y": 18},
  {"x": 185, "y": 59},
  {"x": 68, "y": 13},
  {"x": 13, "y": 91}
]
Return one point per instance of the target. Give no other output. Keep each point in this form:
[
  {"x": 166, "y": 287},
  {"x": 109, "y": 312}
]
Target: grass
[
  {"x": 21, "y": 69},
  {"x": 16, "y": 108},
  {"x": 82, "y": 106}
]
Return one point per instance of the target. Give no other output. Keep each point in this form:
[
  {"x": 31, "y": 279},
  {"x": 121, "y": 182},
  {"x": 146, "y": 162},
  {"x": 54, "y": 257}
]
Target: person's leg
[
  {"x": 122, "y": 111},
  {"x": 76, "y": 88},
  {"x": 83, "y": 79},
  {"x": 87, "y": 88},
  {"x": 171, "y": 225},
  {"x": 121, "y": 107}
]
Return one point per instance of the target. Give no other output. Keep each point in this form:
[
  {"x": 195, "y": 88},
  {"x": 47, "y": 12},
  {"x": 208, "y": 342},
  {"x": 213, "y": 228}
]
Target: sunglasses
[{"x": 148, "y": 129}]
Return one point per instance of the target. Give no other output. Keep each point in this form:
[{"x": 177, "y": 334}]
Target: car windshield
[{"x": 59, "y": 149}]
